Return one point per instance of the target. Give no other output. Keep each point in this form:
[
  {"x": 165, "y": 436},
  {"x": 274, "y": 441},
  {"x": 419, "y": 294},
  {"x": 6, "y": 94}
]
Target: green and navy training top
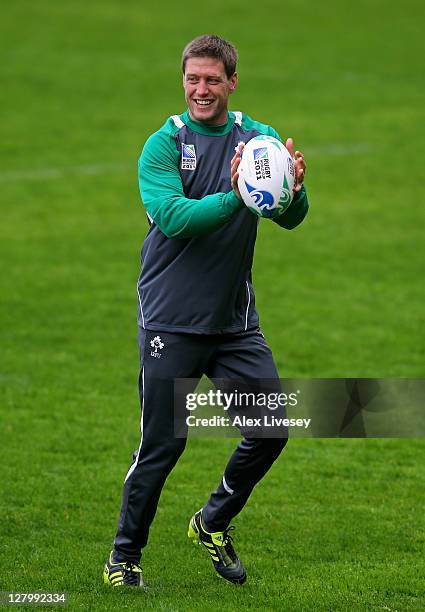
[{"x": 198, "y": 252}]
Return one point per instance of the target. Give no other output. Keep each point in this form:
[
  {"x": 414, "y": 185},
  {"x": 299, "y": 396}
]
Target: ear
[{"x": 233, "y": 82}]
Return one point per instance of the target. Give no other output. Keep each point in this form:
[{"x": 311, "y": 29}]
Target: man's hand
[
  {"x": 234, "y": 174},
  {"x": 299, "y": 163},
  {"x": 300, "y": 167}
]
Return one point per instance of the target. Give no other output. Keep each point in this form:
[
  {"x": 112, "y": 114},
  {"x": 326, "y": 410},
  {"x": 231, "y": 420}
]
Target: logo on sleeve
[{"x": 188, "y": 157}]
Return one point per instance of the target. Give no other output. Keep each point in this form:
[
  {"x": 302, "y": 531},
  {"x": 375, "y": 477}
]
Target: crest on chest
[{"x": 188, "y": 157}]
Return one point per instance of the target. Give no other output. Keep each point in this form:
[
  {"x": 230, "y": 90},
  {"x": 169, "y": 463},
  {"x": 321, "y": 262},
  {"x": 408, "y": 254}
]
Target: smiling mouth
[{"x": 203, "y": 102}]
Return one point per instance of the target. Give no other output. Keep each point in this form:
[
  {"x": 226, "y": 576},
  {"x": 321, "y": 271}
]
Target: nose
[{"x": 202, "y": 88}]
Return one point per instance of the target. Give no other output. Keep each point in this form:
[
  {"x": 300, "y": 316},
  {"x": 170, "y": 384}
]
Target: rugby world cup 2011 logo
[
  {"x": 188, "y": 157},
  {"x": 260, "y": 153},
  {"x": 261, "y": 163},
  {"x": 263, "y": 200}
]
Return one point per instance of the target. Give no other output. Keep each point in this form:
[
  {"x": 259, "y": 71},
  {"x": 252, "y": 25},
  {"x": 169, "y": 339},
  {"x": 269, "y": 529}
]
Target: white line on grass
[
  {"x": 54, "y": 173},
  {"x": 338, "y": 150},
  {"x": 328, "y": 150}
]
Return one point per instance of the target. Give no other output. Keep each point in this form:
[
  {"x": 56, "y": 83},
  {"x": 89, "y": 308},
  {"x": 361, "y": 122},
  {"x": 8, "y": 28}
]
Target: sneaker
[
  {"x": 123, "y": 573},
  {"x": 219, "y": 545}
]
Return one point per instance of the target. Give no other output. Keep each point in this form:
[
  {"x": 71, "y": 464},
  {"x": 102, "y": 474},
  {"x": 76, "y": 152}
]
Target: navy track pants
[{"x": 222, "y": 356}]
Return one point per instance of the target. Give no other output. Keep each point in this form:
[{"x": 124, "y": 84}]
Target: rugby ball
[{"x": 266, "y": 176}]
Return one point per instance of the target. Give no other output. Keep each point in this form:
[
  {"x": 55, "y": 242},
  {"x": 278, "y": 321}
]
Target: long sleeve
[
  {"x": 163, "y": 196},
  {"x": 295, "y": 212}
]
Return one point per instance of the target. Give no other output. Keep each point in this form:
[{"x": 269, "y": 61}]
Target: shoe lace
[
  {"x": 132, "y": 567},
  {"x": 227, "y": 543},
  {"x": 130, "y": 572},
  {"x": 227, "y": 537}
]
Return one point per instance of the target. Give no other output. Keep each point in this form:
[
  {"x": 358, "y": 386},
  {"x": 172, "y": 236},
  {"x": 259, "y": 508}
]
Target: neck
[{"x": 217, "y": 123}]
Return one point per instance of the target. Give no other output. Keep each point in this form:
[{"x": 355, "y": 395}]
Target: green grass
[{"x": 337, "y": 524}]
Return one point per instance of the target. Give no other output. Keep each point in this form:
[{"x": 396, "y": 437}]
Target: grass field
[{"x": 82, "y": 84}]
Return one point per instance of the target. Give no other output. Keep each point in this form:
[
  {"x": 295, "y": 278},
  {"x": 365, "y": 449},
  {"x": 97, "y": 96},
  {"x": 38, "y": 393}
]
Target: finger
[
  {"x": 237, "y": 155},
  {"x": 238, "y": 149},
  {"x": 290, "y": 146},
  {"x": 235, "y": 186},
  {"x": 299, "y": 183},
  {"x": 300, "y": 167},
  {"x": 299, "y": 180},
  {"x": 234, "y": 168},
  {"x": 235, "y": 161},
  {"x": 300, "y": 163}
]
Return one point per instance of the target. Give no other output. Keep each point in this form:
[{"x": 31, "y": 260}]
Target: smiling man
[
  {"x": 207, "y": 88},
  {"x": 196, "y": 306}
]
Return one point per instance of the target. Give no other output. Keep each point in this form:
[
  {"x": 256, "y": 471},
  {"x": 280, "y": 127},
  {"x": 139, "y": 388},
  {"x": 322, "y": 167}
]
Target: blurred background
[{"x": 82, "y": 85}]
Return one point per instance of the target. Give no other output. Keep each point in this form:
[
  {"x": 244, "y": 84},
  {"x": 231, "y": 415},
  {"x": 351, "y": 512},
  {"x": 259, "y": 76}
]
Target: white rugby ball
[{"x": 266, "y": 176}]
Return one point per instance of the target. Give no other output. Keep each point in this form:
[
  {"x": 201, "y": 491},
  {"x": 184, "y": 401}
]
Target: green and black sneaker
[
  {"x": 219, "y": 545},
  {"x": 125, "y": 573}
]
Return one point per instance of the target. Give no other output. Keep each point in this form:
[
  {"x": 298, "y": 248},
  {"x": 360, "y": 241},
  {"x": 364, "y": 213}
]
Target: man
[{"x": 196, "y": 303}]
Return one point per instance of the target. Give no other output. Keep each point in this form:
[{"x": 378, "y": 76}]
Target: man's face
[{"x": 207, "y": 89}]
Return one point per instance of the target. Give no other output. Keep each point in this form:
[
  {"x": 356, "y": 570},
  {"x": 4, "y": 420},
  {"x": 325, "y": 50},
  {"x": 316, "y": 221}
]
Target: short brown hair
[{"x": 210, "y": 45}]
